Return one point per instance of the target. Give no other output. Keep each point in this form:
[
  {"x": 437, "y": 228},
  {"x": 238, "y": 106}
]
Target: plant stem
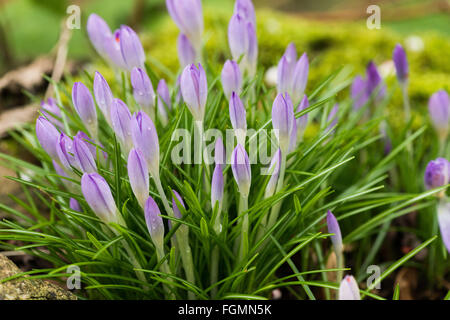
[
  {"x": 276, "y": 208},
  {"x": 214, "y": 270},
  {"x": 164, "y": 268},
  {"x": 243, "y": 206}
]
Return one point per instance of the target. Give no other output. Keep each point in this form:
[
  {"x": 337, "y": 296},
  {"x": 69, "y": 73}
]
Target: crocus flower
[
  {"x": 219, "y": 153},
  {"x": 145, "y": 138},
  {"x": 188, "y": 16},
  {"x": 114, "y": 50},
  {"x": 85, "y": 107},
  {"x": 283, "y": 120},
  {"x": 143, "y": 90},
  {"x": 176, "y": 209},
  {"x": 439, "y": 109},
  {"x": 302, "y": 121},
  {"x": 239, "y": 39},
  {"x": 252, "y": 52},
  {"x": 52, "y": 112},
  {"x": 217, "y": 186},
  {"x": 131, "y": 48},
  {"x": 47, "y": 136},
  {"x": 348, "y": 290},
  {"x": 138, "y": 175},
  {"x": 359, "y": 92},
  {"x": 98, "y": 196},
  {"x": 401, "y": 63},
  {"x": 103, "y": 95},
  {"x": 74, "y": 205},
  {"x": 154, "y": 221},
  {"x": 89, "y": 142},
  {"x": 238, "y": 117},
  {"x": 99, "y": 33},
  {"x": 443, "y": 211},
  {"x": 374, "y": 82},
  {"x": 246, "y": 9},
  {"x": 83, "y": 155},
  {"x": 186, "y": 52},
  {"x": 66, "y": 153},
  {"x": 333, "y": 227},
  {"x": 285, "y": 69},
  {"x": 121, "y": 124},
  {"x": 274, "y": 171},
  {"x": 437, "y": 173},
  {"x": 164, "y": 102},
  {"x": 300, "y": 77},
  {"x": 231, "y": 78},
  {"x": 240, "y": 166},
  {"x": 194, "y": 89}
]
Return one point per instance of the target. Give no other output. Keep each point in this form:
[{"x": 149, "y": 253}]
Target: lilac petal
[
  {"x": 238, "y": 39},
  {"x": 66, "y": 153},
  {"x": 138, "y": 175},
  {"x": 217, "y": 186},
  {"x": 85, "y": 107},
  {"x": 143, "y": 89},
  {"x": 374, "y": 82},
  {"x": 231, "y": 77},
  {"x": 401, "y": 63},
  {"x": 194, "y": 89},
  {"x": 99, "y": 33},
  {"x": 84, "y": 156},
  {"x": 176, "y": 209},
  {"x": 333, "y": 227},
  {"x": 98, "y": 196},
  {"x": 47, "y": 136},
  {"x": 219, "y": 153},
  {"x": 246, "y": 9},
  {"x": 283, "y": 119},
  {"x": 237, "y": 112},
  {"x": 252, "y": 52},
  {"x": 359, "y": 92},
  {"x": 274, "y": 170},
  {"x": 154, "y": 221},
  {"x": 186, "y": 52},
  {"x": 121, "y": 122},
  {"x": 439, "y": 109},
  {"x": 131, "y": 48},
  {"x": 437, "y": 173},
  {"x": 103, "y": 95},
  {"x": 74, "y": 205},
  {"x": 348, "y": 290},
  {"x": 285, "y": 73},
  {"x": 443, "y": 211},
  {"x": 164, "y": 103},
  {"x": 240, "y": 166},
  {"x": 300, "y": 78},
  {"x": 302, "y": 121}
]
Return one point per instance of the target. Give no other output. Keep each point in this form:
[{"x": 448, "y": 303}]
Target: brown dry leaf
[{"x": 407, "y": 278}]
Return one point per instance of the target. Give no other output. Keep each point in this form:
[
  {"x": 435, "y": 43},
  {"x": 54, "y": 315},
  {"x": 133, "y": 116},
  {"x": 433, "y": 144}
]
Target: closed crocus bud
[
  {"x": 52, "y": 112},
  {"x": 374, "y": 82},
  {"x": 238, "y": 37},
  {"x": 246, "y": 9},
  {"x": 348, "y": 290},
  {"x": 333, "y": 227},
  {"x": 145, "y": 138},
  {"x": 443, "y": 211},
  {"x": 113, "y": 48},
  {"x": 89, "y": 143},
  {"x": 98, "y": 196},
  {"x": 240, "y": 166},
  {"x": 121, "y": 122},
  {"x": 217, "y": 186},
  {"x": 238, "y": 117},
  {"x": 401, "y": 63},
  {"x": 131, "y": 48},
  {"x": 252, "y": 52},
  {"x": 231, "y": 78},
  {"x": 103, "y": 95},
  {"x": 164, "y": 102},
  {"x": 188, "y": 16},
  {"x": 138, "y": 175},
  {"x": 84, "y": 156},
  {"x": 74, "y": 205},
  {"x": 302, "y": 121},
  {"x": 437, "y": 173},
  {"x": 176, "y": 209},
  {"x": 143, "y": 90},
  {"x": 439, "y": 109},
  {"x": 84, "y": 104},
  {"x": 66, "y": 153},
  {"x": 300, "y": 77},
  {"x": 154, "y": 221},
  {"x": 186, "y": 52},
  {"x": 99, "y": 33},
  {"x": 194, "y": 89},
  {"x": 274, "y": 170},
  {"x": 47, "y": 135},
  {"x": 283, "y": 120},
  {"x": 359, "y": 92},
  {"x": 285, "y": 72},
  {"x": 219, "y": 153}
]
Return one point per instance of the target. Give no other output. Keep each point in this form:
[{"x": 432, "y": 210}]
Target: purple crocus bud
[
  {"x": 145, "y": 138},
  {"x": 238, "y": 117},
  {"x": 443, "y": 212},
  {"x": 300, "y": 77},
  {"x": 332, "y": 116},
  {"x": 285, "y": 72},
  {"x": 103, "y": 95},
  {"x": 84, "y": 104},
  {"x": 238, "y": 37},
  {"x": 274, "y": 170},
  {"x": 66, "y": 153},
  {"x": 348, "y": 290},
  {"x": 302, "y": 121},
  {"x": 240, "y": 166},
  {"x": 138, "y": 175},
  {"x": 121, "y": 123},
  {"x": 359, "y": 92},
  {"x": 219, "y": 153},
  {"x": 333, "y": 227},
  {"x": 374, "y": 82},
  {"x": 439, "y": 109},
  {"x": 176, "y": 209},
  {"x": 188, "y": 16},
  {"x": 143, "y": 90},
  {"x": 194, "y": 89},
  {"x": 283, "y": 120},
  {"x": 246, "y": 9},
  {"x": 231, "y": 78},
  {"x": 401, "y": 63},
  {"x": 131, "y": 48},
  {"x": 164, "y": 102},
  {"x": 74, "y": 205},
  {"x": 52, "y": 112},
  {"x": 217, "y": 186},
  {"x": 84, "y": 156},
  {"x": 437, "y": 173},
  {"x": 98, "y": 196},
  {"x": 186, "y": 52},
  {"x": 154, "y": 221},
  {"x": 113, "y": 49},
  {"x": 89, "y": 142},
  {"x": 47, "y": 135},
  {"x": 252, "y": 52},
  {"x": 99, "y": 33}
]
